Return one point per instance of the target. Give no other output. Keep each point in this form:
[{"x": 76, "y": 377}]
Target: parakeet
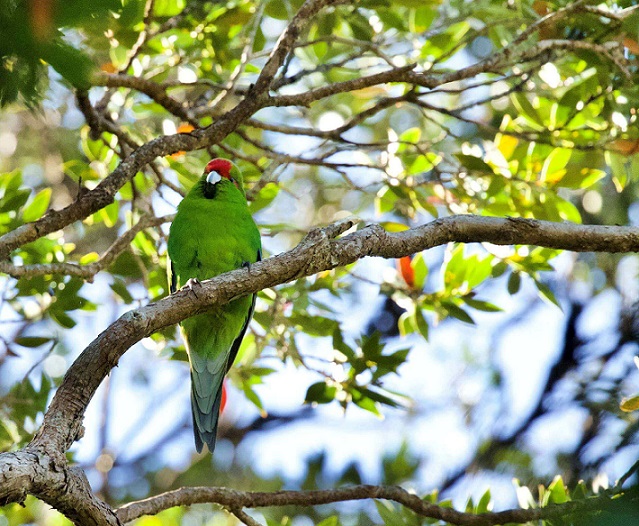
[{"x": 212, "y": 233}]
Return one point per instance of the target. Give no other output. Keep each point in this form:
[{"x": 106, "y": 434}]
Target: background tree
[{"x": 500, "y": 124}]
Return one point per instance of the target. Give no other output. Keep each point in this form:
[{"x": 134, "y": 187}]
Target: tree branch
[
  {"x": 316, "y": 253},
  {"x": 234, "y": 499},
  {"x": 52, "y": 480},
  {"x": 89, "y": 270}
]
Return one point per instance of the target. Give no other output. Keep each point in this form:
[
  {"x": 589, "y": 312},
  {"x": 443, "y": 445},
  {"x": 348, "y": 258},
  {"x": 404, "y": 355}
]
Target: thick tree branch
[
  {"x": 316, "y": 253},
  {"x": 234, "y": 499},
  {"x": 52, "y": 480}
]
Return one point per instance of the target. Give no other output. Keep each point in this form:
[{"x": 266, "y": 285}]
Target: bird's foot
[
  {"x": 246, "y": 265},
  {"x": 193, "y": 284}
]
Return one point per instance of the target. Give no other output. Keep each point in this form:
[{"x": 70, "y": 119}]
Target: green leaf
[
  {"x": 385, "y": 200},
  {"x": 313, "y": 325},
  {"x": 443, "y": 43},
  {"x": 525, "y": 108},
  {"x": 365, "y": 402},
  {"x": 264, "y": 197},
  {"x": 484, "y": 306},
  {"x": 9, "y": 434},
  {"x": 167, "y": 8},
  {"x": 514, "y": 283},
  {"x": 14, "y": 200},
  {"x": 485, "y": 503},
  {"x": 457, "y": 312},
  {"x": 379, "y": 397},
  {"x": 32, "y": 341},
  {"x": 37, "y": 207},
  {"x": 617, "y": 163},
  {"x": 474, "y": 164},
  {"x": 62, "y": 318},
  {"x": 277, "y": 9},
  {"x": 360, "y": 26},
  {"x": 389, "y": 512},
  {"x": 630, "y": 404},
  {"x": 420, "y": 269},
  {"x": 406, "y": 324},
  {"x": 119, "y": 287},
  {"x": 371, "y": 345},
  {"x": 557, "y": 491},
  {"x": 320, "y": 393},
  {"x": 109, "y": 214},
  {"x": 330, "y": 521},
  {"x": 420, "y": 323},
  {"x": 546, "y": 293},
  {"x": 455, "y": 272},
  {"x": 554, "y": 166},
  {"x": 74, "y": 65},
  {"x": 478, "y": 270},
  {"x": 411, "y": 135},
  {"x": 584, "y": 178},
  {"x": 340, "y": 345},
  {"x": 252, "y": 396},
  {"x": 630, "y": 25}
]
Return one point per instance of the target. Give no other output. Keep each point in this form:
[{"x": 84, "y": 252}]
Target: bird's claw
[{"x": 192, "y": 284}]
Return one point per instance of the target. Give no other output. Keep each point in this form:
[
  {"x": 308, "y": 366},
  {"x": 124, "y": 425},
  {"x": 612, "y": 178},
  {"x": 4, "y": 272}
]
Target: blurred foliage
[
  {"x": 549, "y": 135},
  {"x": 40, "y": 32}
]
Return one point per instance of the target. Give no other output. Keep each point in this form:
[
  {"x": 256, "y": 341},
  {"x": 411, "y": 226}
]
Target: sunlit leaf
[
  {"x": 38, "y": 206},
  {"x": 630, "y": 404}
]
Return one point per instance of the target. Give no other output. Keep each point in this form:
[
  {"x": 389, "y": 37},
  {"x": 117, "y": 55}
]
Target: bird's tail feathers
[{"x": 206, "y": 397}]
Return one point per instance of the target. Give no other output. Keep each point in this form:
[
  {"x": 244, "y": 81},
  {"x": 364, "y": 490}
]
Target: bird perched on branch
[{"x": 212, "y": 233}]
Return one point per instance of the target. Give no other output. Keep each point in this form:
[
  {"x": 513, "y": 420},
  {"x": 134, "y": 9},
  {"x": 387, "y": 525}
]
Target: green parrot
[{"x": 212, "y": 233}]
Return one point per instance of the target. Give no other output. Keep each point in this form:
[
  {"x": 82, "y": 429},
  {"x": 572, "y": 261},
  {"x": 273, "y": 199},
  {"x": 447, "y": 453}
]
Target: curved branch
[
  {"x": 155, "y": 91},
  {"x": 234, "y": 499},
  {"x": 90, "y": 202},
  {"x": 316, "y": 253}
]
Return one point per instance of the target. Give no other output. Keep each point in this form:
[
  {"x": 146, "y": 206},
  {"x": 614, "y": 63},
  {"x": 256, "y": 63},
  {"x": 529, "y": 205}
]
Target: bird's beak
[{"x": 213, "y": 178}]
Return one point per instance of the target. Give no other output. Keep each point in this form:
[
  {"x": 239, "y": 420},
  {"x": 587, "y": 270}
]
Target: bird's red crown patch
[{"x": 221, "y": 166}]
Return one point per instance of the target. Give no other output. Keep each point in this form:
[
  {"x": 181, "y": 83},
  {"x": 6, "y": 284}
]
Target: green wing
[{"x": 238, "y": 341}]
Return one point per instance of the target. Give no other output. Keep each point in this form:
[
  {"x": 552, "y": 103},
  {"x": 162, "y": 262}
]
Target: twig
[
  {"x": 42, "y": 358},
  {"x": 85, "y": 271},
  {"x": 624, "y": 478},
  {"x": 243, "y": 516}
]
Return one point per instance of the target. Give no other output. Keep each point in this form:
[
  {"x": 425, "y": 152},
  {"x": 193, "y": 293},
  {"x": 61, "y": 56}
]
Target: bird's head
[{"x": 221, "y": 171}]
